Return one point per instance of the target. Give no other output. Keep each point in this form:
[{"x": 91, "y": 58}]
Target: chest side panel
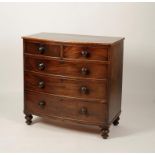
[{"x": 115, "y": 80}]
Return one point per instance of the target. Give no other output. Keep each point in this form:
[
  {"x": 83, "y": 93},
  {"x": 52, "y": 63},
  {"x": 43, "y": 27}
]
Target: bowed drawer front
[
  {"x": 39, "y": 48},
  {"x": 73, "y": 77},
  {"x": 65, "y": 86},
  {"x": 66, "y": 68},
  {"x": 50, "y": 105},
  {"x": 86, "y": 52}
]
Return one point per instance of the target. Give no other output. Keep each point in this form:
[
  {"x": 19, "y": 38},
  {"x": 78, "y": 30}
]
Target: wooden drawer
[
  {"x": 67, "y": 68},
  {"x": 87, "y": 53},
  {"x": 49, "y": 105},
  {"x": 45, "y": 49},
  {"x": 68, "y": 87}
]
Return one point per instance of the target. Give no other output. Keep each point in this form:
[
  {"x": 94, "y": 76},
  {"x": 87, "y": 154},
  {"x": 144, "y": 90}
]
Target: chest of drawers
[{"x": 73, "y": 77}]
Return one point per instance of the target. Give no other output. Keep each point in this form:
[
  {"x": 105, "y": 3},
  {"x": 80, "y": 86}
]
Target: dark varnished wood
[
  {"x": 73, "y": 77},
  {"x": 48, "y": 49},
  {"x": 67, "y": 68},
  {"x": 86, "y": 52},
  {"x": 64, "y": 107},
  {"x": 73, "y": 38},
  {"x": 116, "y": 121},
  {"x": 63, "y": 86},
  {"x": 28, "y": 118},
  {"x": 115, "y": 78},
  {"x": 105, "y": 132}
]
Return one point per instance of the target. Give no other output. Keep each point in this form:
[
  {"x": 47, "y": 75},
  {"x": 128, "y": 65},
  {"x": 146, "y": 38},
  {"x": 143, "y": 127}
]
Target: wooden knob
[
  {"x": 83, "y": 110},
  {"x": 41, "y": 66},
  {"x": 41, "y": 84},
  {"x": 41, "y": 49},
  {"x": 84, "y": 71},
  {"x": 42, "y": 104},
  {"x": 85, "y": 53},
  {"x": 84, "y": 90}
]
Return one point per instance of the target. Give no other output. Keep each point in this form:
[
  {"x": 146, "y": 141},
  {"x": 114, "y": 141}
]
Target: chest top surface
[{"x": 74, "y": 38}]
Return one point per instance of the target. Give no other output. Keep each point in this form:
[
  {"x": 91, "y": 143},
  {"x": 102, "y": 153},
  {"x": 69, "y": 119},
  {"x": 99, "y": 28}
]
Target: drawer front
[
  {"x": 68, "y": 87},
  {"x": 89, "y": 53},
  {"x": 49, "y": 105},
  {"x": 42, "y": 49},
  {"x": 67, "y": 68}
]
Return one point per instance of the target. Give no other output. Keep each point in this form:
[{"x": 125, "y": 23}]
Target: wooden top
[{"x": 74, "y": 38}]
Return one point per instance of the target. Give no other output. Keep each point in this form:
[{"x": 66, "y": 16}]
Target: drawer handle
[
  {"x": 84, "y": 71},
  {"x": 42, "y": 104},
  {"x": 84, "y": 90},
  {"x": 83, "y": 111},
  {"x": 85, "y": 54},
  {"x": 41, "y": 49},
  {"x": 41, "y": 84},
  {"x": 41, "y": 66}
]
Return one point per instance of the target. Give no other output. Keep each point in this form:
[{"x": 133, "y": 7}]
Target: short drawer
[
  {"x": 87, "y": 53},
  {"x": 49, "y": 105},
  {"x": 98, "y": 70},
  {"x": 42, "y": 49},
  {"x": 95, "y": 89}
]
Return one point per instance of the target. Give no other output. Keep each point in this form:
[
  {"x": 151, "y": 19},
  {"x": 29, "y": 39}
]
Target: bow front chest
[{"x": 73, "y": 77}]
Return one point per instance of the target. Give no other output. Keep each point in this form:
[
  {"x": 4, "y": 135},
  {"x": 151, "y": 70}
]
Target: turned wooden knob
[
  {"x": 85, "y": 53},
  {"x": 41, "y": 49},
  {"x": 41, "y": 66},
  {"x": 41, "y": 84},
  {"x": 42, "y": 104},
  {"x": 84, "y": 90},
  {"x": 83, "y": 110},
  {"x": 84, "y": 71}
]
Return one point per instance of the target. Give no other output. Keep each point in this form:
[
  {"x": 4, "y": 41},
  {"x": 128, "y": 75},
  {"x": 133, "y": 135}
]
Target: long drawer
[
  {"x": 72, "y": 68},
  {"x": 49, "y": 105},
  {"x": 64, "y": 86}
]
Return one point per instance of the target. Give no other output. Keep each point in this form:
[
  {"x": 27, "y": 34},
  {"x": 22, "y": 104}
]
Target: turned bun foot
[
  {"x": 28, "y": 118},
  {"x": 105, "y": 132},
  {"x": 116, "y": 121}
]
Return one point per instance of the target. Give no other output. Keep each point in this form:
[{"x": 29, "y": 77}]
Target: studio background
[{"x": 134, "y": 21}]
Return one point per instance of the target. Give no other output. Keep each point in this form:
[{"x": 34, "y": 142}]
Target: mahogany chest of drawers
[{"x": 73, "y": 77}]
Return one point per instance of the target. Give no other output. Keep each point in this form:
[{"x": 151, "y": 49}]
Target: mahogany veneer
[{"x": 73, "y": 77}]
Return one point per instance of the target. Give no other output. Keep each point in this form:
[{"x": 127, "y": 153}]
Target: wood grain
[
  {"x": 64, "y": 107},
  {"x": 73, "y": 77},
  {"x": 52, "y": 50},
  {"x": 115, "y": 81},
  {"x": 66, "y": 87},
  {"x": 73, "y": 38},
  {"x": 72, "y": 68},
  {"x": 94, "y": 53}
]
